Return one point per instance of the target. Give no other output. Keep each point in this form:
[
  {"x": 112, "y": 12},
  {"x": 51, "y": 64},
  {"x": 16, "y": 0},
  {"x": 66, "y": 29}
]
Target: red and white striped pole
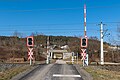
[{"x": 84, "y": 20}]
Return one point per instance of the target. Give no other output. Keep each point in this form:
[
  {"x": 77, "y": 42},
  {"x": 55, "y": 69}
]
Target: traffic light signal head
[
  {"x": 30, "y": 41},
  {"x": 84, "y": 42}
]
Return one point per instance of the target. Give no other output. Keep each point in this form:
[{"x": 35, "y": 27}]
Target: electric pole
[
  {"x": 101, "y": 45},
  {"x": 48, "y": 55},
  {"x": 48, "y": 45}
]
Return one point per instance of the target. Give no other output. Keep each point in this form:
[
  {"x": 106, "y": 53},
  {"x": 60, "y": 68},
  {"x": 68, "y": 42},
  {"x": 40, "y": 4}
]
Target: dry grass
[
  {"x": 8, "y": 74},
  {"x": 100, "y": 74}
]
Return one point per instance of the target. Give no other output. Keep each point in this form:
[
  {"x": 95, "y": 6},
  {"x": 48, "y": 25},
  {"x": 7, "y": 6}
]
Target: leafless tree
[
  {"x": 118, "y": 29},
  {"x": 116, "y": 42},
  {"x": 17, "y": 34}
]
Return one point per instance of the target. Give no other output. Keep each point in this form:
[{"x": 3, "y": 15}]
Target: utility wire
[
  {"x": 35, "y": 25},
  {"x": 52, "y": 9},
  {"x": 57, "y": 30}
]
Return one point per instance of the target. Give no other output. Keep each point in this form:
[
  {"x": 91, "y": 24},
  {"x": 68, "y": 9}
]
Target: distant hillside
[{"x": 11, "y": 47}]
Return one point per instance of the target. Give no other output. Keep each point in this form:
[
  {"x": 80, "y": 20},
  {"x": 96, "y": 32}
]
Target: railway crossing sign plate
[{"x": 30, "y": 53}]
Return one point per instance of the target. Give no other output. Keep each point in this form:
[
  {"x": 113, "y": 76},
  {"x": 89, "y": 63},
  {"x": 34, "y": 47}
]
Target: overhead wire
[
  {"x": 92, "y": 23},
  {"x": 37, "y": 25},
  {"x": 52, "y": 9}
]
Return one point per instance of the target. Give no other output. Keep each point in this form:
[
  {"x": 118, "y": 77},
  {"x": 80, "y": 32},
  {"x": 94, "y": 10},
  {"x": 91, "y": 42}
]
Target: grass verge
[
  {"x": 8, "y": 74},
  {"x": 101, "y": 74}
]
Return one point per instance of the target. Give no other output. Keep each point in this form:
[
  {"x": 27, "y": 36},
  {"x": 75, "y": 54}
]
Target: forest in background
[{"x": 15, "y": 47}]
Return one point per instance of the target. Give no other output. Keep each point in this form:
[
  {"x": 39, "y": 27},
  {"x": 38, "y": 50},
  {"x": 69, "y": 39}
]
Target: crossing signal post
[
  {"x": 84, "y": 44},
  {"x": 30, "y": 44}
]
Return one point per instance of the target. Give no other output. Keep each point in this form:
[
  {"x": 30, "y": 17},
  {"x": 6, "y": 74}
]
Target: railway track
[
  {"x": 108, "y": 66},
  {"x": 111, "y": 66}
]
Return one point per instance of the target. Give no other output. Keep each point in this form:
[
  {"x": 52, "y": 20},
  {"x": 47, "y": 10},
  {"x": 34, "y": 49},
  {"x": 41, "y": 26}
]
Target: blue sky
[{"x": 58, "y": 17}]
